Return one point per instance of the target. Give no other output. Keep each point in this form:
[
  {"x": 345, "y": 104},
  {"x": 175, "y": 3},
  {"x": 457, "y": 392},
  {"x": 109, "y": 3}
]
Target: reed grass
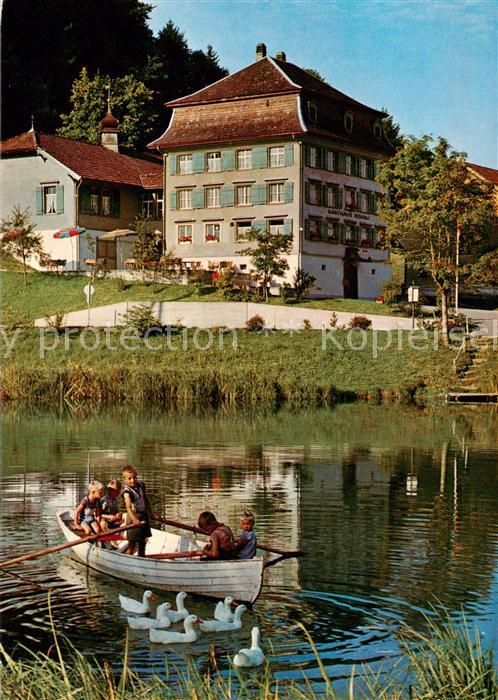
[{"x": 445, "y": 663}]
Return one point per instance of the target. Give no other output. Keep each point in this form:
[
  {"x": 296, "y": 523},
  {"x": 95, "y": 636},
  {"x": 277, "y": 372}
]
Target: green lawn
[{"x": 48, "y": 294}]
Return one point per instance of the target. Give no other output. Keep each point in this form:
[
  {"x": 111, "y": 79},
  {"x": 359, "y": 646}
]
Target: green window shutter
[
  {"x": 288, "y": 226},
  {"x": 307, "y": 155},
  {"x": 259, "y": 194},
  {"x": 172, "y": 200},
  {"x": 342, "y": 231},
  {"x": 288, "y": 192},
  {"x": 289, "y": 154},
  {"x": 172, "y": 165},
  {"x": 115, "y": 203},
  {"x": 39, "y": 200},
  {"x": 324, "y": 232},
  {"x": 198, "y": 160},
  {"x": 84, "y": 200},
  {"x": 323, "y": 195},
  {"x": 198, "y": 199},
  {"x": 227, "y": 196},
  {"x": 322, "y": 158},
  {"x": 372, "y": 204},
  {"x": 260, "y": 225},
  {"x": 307, "y": 234},
  {"x": 307, "y": 192},
  {"x": 339, "y": 198},
  {"x": 59, "y": 199},
  {"x": 228, "y": 160},
  {"x": 341, "y": 162},
  {"x": 260, "y": 157}
]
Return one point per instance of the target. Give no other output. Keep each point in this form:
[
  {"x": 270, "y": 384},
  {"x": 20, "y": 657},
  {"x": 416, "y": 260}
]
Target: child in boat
[
  {"x": 246, "y": 545},
  {"x": 221, "y": 543},
  {"x": 111, "y": 517},
  {"x": 137, "y": 509},
  {"x": 87, "y": 514}
]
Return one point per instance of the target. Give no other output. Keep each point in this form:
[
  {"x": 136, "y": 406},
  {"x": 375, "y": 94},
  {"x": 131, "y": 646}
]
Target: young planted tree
[
  {"x": 267, "y": 256},
  {"x": 19, "y": 237},
  {"x": 434, "y": 211},
  {"x": 145, "y": 247}
]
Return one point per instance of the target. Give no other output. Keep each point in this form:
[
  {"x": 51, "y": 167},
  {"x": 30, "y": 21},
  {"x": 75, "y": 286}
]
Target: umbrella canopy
[
  {"x": 69, "y": 232},
  {"x": 117, "y": 233}
]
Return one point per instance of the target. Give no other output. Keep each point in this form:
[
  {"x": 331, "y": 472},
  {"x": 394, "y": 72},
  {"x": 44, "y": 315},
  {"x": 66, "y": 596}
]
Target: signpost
[
  {"x": 413, "y": 296},
  {"x": 88, "y": 289}
]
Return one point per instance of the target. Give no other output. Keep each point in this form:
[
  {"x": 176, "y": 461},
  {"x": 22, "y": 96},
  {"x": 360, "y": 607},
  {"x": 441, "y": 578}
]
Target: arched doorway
[{"x": 350, "y": 280}]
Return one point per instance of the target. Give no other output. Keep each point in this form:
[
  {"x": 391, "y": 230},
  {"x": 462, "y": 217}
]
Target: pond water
[{"x": 395, "y": 507}]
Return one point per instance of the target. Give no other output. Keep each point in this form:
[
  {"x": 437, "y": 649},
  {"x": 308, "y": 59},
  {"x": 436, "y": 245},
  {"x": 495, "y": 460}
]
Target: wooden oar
[
  {"x": 174, "y": 555},
  {"x": 266, "y": 548},
  {"x": 88, "y": 538}
]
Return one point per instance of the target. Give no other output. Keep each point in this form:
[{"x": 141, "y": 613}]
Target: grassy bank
[
  {"x": 204, "y": 368},
  {"x": 445, "y": 664},
  {"x": 48, "y": 294}
]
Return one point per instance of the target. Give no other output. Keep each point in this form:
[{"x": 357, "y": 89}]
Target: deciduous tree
[
  {"x": 267, "y": 257},
  {"x": 432, "y": 208},
  {"x": 19, "y": 237}
]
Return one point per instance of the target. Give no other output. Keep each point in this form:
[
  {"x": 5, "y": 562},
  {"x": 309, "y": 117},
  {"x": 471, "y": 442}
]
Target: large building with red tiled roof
[
  {"x": 67, "y": 183},
  {"x": 272, "y": 146}
]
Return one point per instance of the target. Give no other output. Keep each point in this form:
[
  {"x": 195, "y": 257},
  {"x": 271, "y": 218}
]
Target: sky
[{"x": 432, "y": 64}]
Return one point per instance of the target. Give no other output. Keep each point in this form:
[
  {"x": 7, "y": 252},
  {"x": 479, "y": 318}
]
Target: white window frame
[
  {"x": 148, "y": 204},
  {"x": 213, "y": 160},
  {"x": 106, "y": 203},
  {"x": 332, "y": 196},
  {"x": 363, "y": 167},
  {"x": 362, "y": 201},
  {"x": 214, "y": 230},
  {"x": 242, "y": 225},
  {"x": 159, "y": 197},
  {"x": 314, "y": 193},
  {"x": 349, "y": 164},
  {"x": 185, "y": 164},
  {"x": 50, "y": 199},
  {"x": 184, "y": 198},
  {"x": 275, "y": 192},
  {"x": 244, "y": 159},
  {"x": 276, "y": 226},
  {"x": 94, "y": 202},
  {"x": 212, "y": 195},
  {"x": 277, "y": 156},
  {"x": 184, "y": 231},
  {"x": 244, "y": 195},
  {"x": 331, "y": 161}
]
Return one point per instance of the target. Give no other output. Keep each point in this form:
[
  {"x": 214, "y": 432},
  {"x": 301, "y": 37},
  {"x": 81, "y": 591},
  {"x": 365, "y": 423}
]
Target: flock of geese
[{"x": 224, "y": 621}]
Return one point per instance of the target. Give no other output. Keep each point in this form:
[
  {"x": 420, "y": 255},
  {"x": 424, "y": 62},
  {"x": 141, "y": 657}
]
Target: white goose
[
  {"x": 246, "y": 658},
  {"x": 134, "y": 606},
  {"x": 219, "y": 626},
  {"x": 146, "y": 623},
  {"x": 223, "y": 610},
  {"x": 189, "y": 635},
  {"x": 181, "y": 612}
]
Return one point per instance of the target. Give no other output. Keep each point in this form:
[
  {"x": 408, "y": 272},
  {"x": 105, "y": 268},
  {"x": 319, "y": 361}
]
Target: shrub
[
  {"x": 303, "y": 283},
  {"x": 141, "y": 319},
  {"x": 392, "y": 292},
  {"x": 333, "y": 320},
  {"x": 361, "y": 322},
  {"x": 306, "y": 325},
  {"x": 120, "y": 284},
  {"x": 255, "y": 323},
  {"x": 56, "y": 321}
]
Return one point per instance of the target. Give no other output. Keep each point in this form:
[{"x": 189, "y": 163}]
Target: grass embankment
[
  {"x": 445, "y": 664},
  {"x": 237, "y": 369},
  {"x": 49, "y": 294}
]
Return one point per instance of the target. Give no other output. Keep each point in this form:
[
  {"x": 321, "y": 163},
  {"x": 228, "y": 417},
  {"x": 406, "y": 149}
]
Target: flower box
[
  {"x": 365, "y": 242},
  {"x": 212, "y": 237},
  {"x": 185, "y": 239},
  {"x": 379, "y": 300}
]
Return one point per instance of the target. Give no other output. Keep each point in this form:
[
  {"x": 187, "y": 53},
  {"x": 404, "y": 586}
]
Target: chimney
[
  {"x": 260, "y": 51},
  {"x": 281, "y": 56}
]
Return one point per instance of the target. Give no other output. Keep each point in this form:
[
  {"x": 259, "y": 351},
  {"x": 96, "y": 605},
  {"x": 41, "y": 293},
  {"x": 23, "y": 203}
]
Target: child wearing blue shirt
[{"x": 246, "y": 545}]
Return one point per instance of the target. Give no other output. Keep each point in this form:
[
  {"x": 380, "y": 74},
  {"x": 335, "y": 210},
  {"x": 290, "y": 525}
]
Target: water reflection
[{"x": 393, "y": 507}]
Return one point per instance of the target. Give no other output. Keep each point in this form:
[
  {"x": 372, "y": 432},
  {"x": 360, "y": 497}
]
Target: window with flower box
[
  {"x": 184, "y": 232},
  {"x": 212, "y": 233},
  {"x": 275, "y": 192},
  {"x": 333, "y": 231},
  {"x": 350, "y": 234},
  {"x": 364, "y": 235},
  {"x": 184, "y": 199},
  {"x": 185, "y": 164},
  {"x": 244, "y": 195},
  {"x": 214, "y": 162},
  {"x": 212, "y": 195},
  {"x": 244, "y": 159},
  {"x": 277, "y": 156}
]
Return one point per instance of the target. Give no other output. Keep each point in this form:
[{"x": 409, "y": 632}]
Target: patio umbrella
[
  {"x": 117, "y": 233},
  {"x": 69, "y": 232}
]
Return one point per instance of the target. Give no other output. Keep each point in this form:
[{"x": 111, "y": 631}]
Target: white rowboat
[{"x": 240, "y": 578}]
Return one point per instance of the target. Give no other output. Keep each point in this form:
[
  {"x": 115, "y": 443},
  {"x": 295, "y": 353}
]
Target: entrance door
[
  {"x": 350, "y": 279},
  {"x": 107, "y": 251}
]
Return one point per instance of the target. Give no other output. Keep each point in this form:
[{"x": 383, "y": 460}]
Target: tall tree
[
  {"x": 392, "y": 130},
  {"x": 434, "y": 211},
  {"x": 267, "y": 257},
  {"x": 131, "y": 103},
  {"x": 19, "y": 237},
  {"x": 46, "y": 44}
]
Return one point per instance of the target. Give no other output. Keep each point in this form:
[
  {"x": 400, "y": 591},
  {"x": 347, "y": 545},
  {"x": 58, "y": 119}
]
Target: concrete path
[{"x": 227, "y": 314}]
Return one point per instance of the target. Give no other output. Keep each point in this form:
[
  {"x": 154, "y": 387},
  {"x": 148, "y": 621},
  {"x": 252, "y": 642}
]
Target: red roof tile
[
  {"x": 152, "y": 181},
  {"x": 90, "y": 161},
  {"x": 489, "y": 174}
]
